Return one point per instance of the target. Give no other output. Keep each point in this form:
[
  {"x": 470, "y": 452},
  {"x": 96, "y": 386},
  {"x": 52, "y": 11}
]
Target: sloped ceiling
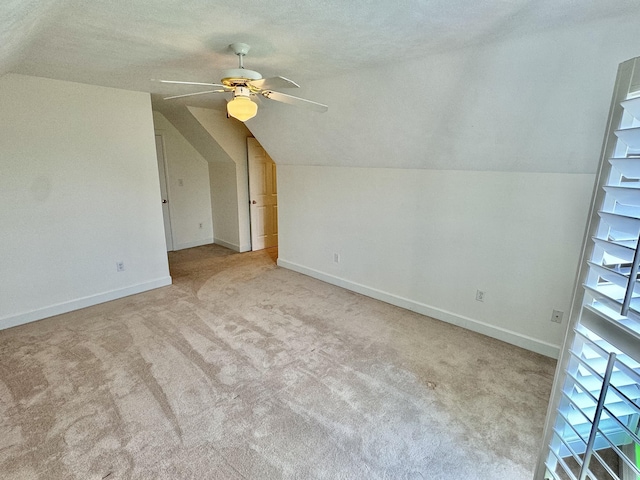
[
  {"x": 125, "y": 44},
  {"x": 538, "y": 103}
]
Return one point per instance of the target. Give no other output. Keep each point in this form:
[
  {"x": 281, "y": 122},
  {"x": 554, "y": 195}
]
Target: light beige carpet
[{"x": 243, "y": 370}]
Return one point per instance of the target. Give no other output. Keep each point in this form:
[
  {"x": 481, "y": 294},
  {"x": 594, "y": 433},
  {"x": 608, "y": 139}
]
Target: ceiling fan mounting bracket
[{"x": 239, "y": 49}]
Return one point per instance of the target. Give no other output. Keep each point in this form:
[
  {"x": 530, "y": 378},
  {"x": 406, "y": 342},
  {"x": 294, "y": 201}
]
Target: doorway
[
  {"x": 263, "y": 197},
  {"x": 162, "y": 174}
]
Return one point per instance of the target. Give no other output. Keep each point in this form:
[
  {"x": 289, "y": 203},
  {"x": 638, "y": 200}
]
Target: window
[{"x": 592, "y": 429}]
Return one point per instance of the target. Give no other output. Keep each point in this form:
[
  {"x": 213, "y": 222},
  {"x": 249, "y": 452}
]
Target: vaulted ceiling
[
  {"x": 124, "y": 44},
  {"x": 394, "y": 73}
]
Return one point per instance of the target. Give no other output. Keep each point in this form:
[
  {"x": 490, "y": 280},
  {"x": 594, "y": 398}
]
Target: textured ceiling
[{"x": 124, "y": 44}]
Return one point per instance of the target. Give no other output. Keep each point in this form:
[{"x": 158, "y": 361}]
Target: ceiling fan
[{"x": 245, "y": 84}]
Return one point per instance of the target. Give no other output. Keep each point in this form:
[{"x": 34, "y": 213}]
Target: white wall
[
  {"x": 427, "y": 240},
  {"x": 188, "y": 188},
  {"x": 231, "y": 135},
  {"x": 222, "y": 172},
  {"x": 473, "y": 141},
  {"x": 79, "y": 192},
  {"x": 224, "y": 204}
]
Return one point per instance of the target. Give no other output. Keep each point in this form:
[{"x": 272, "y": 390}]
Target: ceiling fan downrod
[{"x": 240, "y": 49}]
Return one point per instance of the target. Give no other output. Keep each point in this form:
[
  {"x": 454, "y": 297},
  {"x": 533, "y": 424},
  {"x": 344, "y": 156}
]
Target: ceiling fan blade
[
  {"x": 274, "y": 82},
  {"x": 192, "y": 94},
  {"x": 297, "y": 101},
  {"x": 189, "y": 83}
]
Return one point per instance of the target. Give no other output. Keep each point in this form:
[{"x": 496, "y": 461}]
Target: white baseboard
[
  {"x": 509, "y": 336},
  {"x": 230, "y": 246},
  {"x": 195, "y": 243},
  {"x": 78, "y": 303}
]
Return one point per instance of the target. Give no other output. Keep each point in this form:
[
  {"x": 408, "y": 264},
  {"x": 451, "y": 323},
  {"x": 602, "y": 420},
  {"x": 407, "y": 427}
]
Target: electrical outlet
[
  {"x": 479, "y": 295},
  {"x": 336, "y": 258},
  {"x": 200, "y": 225},
  {"x": 556, "y": 316},
  {"x": 120, "y": 266}
]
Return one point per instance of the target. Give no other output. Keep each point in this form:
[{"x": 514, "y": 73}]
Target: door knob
[
  {"x": 254, "y": 202},
  {"x": 164, "y": 201}
]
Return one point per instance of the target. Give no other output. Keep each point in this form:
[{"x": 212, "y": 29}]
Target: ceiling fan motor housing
[{"x": 239, "y": 76}]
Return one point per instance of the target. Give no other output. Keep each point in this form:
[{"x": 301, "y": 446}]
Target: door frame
[
  {"x": 163, "y": 176},
  {"x": 251, "y": 217}
]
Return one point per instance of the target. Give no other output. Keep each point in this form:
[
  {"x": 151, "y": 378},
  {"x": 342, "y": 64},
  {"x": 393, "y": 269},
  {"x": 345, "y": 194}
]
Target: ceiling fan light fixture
[
  {"x": 246, "y": 83},
  {"x": 242, "y": 108}
]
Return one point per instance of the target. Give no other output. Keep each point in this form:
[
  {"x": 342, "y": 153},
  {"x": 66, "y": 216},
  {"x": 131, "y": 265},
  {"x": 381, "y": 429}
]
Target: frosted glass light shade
[{"x": 242, "y": 108}]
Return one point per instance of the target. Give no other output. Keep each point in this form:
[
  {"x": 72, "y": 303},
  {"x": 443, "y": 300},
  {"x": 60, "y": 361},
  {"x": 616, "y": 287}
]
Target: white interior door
[
  {"x": 162, "y": 173},
  {"x": 263, "y": 197}
]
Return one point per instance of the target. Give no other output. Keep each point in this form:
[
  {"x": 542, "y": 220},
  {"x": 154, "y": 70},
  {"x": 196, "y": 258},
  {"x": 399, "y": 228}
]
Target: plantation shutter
[{"x": 592, "y": 429}]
